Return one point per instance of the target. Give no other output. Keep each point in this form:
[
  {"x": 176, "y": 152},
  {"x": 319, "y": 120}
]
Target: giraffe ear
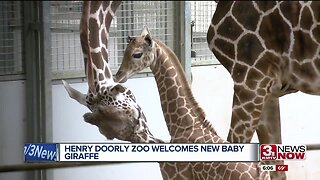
[
  {"x": 74, "y": 94},
  {"x": 145, "y": 32},
  {"x": 148, "y": 39},
  {"x": 147, "y": 36},
  {"x": 117, "y": 89},
  {"x": 129, "y": 39},
  {"x": 89, "y": 118}
]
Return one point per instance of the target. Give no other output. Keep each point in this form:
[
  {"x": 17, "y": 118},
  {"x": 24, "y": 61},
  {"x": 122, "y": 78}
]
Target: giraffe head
[
  {"x": 139, "y": 54},
  {"x": 115, "y": 112}
]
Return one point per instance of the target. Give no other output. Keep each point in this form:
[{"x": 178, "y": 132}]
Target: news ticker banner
[
  {"x": 164, "y": 152},
  {"x": 130, "y": 152}
]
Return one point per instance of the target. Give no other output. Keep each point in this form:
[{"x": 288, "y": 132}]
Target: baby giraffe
[{"x": 185, "y": 119}]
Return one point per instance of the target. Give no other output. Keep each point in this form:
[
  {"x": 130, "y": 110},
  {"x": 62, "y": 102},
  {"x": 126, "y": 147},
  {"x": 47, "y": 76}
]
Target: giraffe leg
[
  {"x": 269, "y": 129},
  {"x": 256, "y": 111},
  {"x": 246, "y": 111}
]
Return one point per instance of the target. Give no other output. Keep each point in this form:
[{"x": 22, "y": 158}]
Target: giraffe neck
[
  {"x": 94, "y": 33},
  {"x": 181, "y": 110}
]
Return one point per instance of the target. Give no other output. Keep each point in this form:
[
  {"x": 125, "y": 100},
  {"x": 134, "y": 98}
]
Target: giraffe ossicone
[{"x": 185, "y": 119}]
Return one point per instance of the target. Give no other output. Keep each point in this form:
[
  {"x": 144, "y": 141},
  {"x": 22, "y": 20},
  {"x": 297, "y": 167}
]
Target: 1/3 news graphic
[
  {"x": 273, "y": 152},
  {"x": 40, "y": 152}
]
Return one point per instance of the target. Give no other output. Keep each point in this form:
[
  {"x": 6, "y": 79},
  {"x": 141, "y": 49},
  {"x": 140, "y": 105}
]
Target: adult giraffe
[
  {"x": 114, "y": 108},
  {"x": 270, "y": 49}
]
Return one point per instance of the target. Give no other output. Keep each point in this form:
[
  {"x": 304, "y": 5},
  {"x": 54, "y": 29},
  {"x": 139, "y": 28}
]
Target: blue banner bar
[{"x": 40, "y": 152}]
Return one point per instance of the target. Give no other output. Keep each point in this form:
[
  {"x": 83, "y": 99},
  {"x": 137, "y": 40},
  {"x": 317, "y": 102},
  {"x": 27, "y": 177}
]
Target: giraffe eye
[{"x": 137, "y": 55}]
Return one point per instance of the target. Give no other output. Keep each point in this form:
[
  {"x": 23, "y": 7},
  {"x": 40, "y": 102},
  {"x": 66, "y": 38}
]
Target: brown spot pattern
[
  {"x": 317, "y": 64},
  {"x": 210, "y": 34},
  {"x": 227, "y": 63},
  {"x": 253, "y": 74},
  {"x": 245, "y": 95},
  {"x": 290, "y": 9},
  {"x": 266, "y": 62},
  {"x": 308, "y": 72},
  {"x": 97, "y": 60},
  {"x": 222, "y": 8},
  {"x": 246, "y": 14},
  {"x": 230, "y": 29},
  {"x": 226, "y": 48},
  {"x": 105, "y": 5},
  {"x": 304, "y": 47},
  {"x": 316, "y": 33},
  {"x": 315, "y": 5},
  {"x": 306, "y": 19},
  {"x": 265, "y": 5},
  {"x": 94, "y": 30},
  {"x": 249, "y": 48},
  {"x": 239, "y": 72},
  {"x": 94, "y": 7},
  {"x": 108, "y": 21},
  {"x": 275, "y": 32}
]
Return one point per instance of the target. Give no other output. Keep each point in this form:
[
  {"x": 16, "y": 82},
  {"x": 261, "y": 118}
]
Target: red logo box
[
  {"x": 268, "y": 152},
  {"x": 281, "y": 167}
]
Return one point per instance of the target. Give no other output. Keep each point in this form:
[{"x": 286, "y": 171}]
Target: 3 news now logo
[
  {"x": 40, "y": 152},
  {"x": 282, "y": 152}
]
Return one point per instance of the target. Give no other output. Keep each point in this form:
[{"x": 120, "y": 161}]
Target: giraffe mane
[{"x": 209, "y": 125}]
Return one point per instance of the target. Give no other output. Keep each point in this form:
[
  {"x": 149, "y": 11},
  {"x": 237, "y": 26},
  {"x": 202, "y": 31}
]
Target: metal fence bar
[
  {"x": 201, "y": 14},
  {"x": 312, "y": 147},
  {"x": 54, "y": 165},
  {"x": 185, "y": 38}
]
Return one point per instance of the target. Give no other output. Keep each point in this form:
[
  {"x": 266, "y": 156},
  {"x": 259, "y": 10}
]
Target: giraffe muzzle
[{"x": 120, "y": 77}]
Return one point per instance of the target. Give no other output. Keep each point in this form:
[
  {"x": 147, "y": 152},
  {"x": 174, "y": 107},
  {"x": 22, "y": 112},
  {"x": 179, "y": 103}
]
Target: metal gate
[
  {"x": 130, "y": 18},
  {"x": 11, "y": 64}
]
